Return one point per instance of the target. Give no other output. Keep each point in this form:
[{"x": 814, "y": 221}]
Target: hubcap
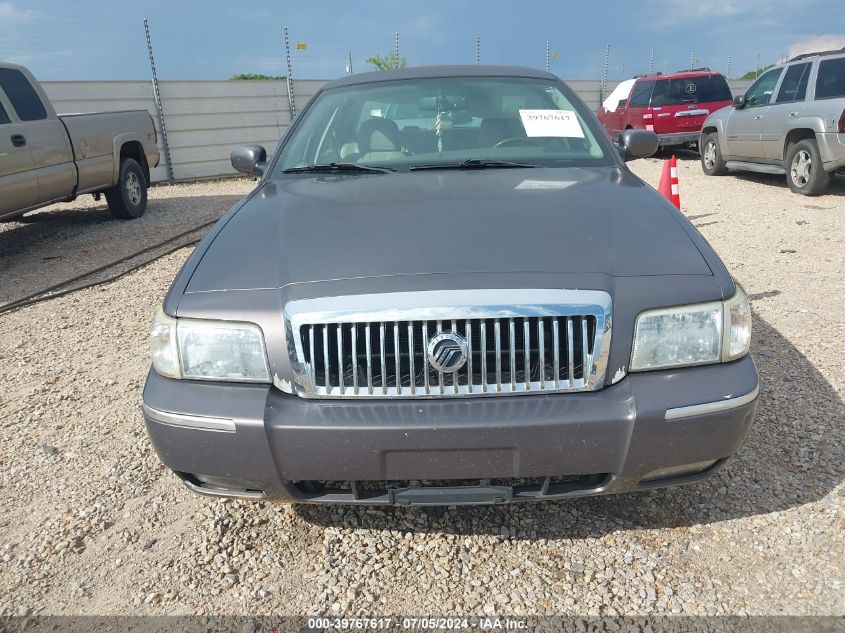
[
  {"x": 133, "y": 189},
  {"x": 710, "y": 155},
  {"x": 801, "y": 166}
]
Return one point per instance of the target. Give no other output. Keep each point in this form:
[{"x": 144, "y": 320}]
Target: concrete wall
[{"x": 206, "y": 119}]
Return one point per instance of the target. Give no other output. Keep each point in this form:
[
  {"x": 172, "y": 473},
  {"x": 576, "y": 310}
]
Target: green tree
[
  {"x": 751, "y": 75},
  {"x": 256, "y": 77},
  {"x": 387, "y": 63}
]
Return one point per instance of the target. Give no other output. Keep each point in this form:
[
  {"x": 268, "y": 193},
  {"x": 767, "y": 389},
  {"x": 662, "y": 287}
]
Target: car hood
[{"x": 349, "y": 226}]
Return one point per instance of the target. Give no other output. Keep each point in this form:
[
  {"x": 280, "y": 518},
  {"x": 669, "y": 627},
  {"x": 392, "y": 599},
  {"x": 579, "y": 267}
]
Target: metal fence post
[
  {"x": 604, "y": 76},
  {"x": 166, "y": 146},
  {"x": 291, "y": 103}
]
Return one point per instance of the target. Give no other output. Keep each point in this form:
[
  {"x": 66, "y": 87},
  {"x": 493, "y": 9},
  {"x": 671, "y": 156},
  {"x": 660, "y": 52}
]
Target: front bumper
[
  {"x": 254, "y": 441},
  {"x": 677, "y": 138}
]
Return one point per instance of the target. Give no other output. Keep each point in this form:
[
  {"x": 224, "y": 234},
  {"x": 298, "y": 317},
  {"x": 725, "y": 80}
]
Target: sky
[{"x": 90, "y": 39}]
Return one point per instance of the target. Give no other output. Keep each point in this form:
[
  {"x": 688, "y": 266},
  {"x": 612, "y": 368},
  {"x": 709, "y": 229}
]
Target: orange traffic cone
[{"x": 668, "y": 186}]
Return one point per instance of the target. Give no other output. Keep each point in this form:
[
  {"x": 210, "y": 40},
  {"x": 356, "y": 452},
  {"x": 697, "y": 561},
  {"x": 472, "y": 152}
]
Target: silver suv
[{"x": 790, "y": 121}]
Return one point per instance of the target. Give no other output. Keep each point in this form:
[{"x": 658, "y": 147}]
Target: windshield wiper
[
  {"x": 333, "y": 167},
  {"x": 475, "y": 163}
]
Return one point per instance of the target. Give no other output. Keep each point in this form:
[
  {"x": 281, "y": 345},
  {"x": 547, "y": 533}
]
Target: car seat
[{"x": 379, "y": 139}]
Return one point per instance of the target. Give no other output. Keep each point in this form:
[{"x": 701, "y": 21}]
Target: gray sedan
[{"x": 448, "y": 288}]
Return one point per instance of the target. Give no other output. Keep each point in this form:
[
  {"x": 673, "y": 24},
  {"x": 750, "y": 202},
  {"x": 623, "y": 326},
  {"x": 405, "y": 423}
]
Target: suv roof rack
[
  {"x": 703, "y": 69},
  {"x": 817, "y": 54}
]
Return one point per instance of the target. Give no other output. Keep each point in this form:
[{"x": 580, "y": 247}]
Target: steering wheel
[{"x": 517, "y": 141}]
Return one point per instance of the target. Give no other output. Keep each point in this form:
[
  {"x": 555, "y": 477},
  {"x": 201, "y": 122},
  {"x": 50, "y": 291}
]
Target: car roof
[
  {"x": 424, "y": 72},
  {"x": 681, "y": 74},
  {"x": 840, "y": 51}
]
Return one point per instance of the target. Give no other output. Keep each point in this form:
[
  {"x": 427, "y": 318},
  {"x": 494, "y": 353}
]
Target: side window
[
  {"x": 658, "y": 97},
  {"x": 641, "y": 94},
  {"x": 22, "y": 95},
  {"x": 794, "y": 84},
  {"x": 831, "y": 80},
  {"x": 4, "y": 118},
  {"x": 760, "y": 92}
]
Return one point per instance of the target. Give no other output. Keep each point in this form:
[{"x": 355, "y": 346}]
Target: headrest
[{"x": 378, "y": 135}]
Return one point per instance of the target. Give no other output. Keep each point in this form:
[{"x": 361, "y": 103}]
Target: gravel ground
[
  {"x": 53, "y": 244},
  {"x": 91, "y": 523}
]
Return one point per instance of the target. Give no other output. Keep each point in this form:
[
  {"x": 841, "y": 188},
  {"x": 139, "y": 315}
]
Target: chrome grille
[{"x": 512, "y": 348}]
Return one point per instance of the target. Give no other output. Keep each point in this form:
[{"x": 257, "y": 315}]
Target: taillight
[
  {"x": 842, "y": 123},
  {"x": 649, "y": 114}
]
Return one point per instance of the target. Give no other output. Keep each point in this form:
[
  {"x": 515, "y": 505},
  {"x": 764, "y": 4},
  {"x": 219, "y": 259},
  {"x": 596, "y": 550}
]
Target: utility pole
[
  {"x": 349, "y": 64},
  {"x": 291, "y": 103},
  {"x": 651, "y": 65},
  {"x": 159, "y": 110},
  {"x": 477, "y": 50},
  {"x": 623, "y": 71}
]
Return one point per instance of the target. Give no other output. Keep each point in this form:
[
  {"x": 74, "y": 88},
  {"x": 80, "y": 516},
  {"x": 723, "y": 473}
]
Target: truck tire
[
  {"x": 804, "y": 171},
  {"x": 128, "y": 198},
  {"x": 712, "y": 162}
]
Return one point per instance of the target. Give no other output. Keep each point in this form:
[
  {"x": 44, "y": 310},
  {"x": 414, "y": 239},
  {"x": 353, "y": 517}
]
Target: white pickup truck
[{"x": 47, "y": 158}]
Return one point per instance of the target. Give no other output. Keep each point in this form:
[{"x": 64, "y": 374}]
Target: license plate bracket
[{"x": 451, "y": 495}]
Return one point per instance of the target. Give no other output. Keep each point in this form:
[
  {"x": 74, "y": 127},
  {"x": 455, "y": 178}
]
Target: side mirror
[
  {"x": 739, "y": 102},
  {"x": 637, "y": 144},
  {"x": 250, "y": 159}
]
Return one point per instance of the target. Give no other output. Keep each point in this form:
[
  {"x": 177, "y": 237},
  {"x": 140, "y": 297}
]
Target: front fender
[{"x": 716, "y": 122}]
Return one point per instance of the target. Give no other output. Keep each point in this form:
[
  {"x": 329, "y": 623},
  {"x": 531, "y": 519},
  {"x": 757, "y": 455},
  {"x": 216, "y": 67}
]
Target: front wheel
[
  {"x": 128, "y": 198},
  {"x": 712, "y": 162},
  {"x": 805, "y": 173}
]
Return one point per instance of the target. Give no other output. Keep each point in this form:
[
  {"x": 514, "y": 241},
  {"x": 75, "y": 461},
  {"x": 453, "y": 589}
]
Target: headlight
[
  {"x": 163, "y": 345},
  {"x": 692, "y": 335},
  {"x": 737, "y": 326},
  {"x": 209, "y": 350}
]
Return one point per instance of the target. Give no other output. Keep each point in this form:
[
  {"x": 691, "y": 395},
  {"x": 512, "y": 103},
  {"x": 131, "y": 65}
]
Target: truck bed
[{"x": 97, "y": 136}]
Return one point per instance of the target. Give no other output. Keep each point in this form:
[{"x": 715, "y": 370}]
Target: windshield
[
  {"x": 704, "y": 89},
  {"x": 444, "y": 121}
]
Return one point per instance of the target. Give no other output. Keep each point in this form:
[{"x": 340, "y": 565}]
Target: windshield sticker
[{"x": 556, "y": 123}]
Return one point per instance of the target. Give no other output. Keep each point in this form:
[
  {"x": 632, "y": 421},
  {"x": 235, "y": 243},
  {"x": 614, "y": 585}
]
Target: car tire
[
  {"x": 127, "y": 200},
  {"x": 712, "y": 162},
  {"x": 804, "y": 171}
]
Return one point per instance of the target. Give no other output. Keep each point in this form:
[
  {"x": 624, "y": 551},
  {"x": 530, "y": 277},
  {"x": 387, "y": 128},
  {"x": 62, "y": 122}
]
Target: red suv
[{"x": 674, "y": 106}]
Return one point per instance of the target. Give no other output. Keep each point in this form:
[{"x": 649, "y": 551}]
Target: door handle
[
  {"x": 18, "y": 140},
  {"x": 758, "y": 116},
  {"x": 793, "y": 114}
]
